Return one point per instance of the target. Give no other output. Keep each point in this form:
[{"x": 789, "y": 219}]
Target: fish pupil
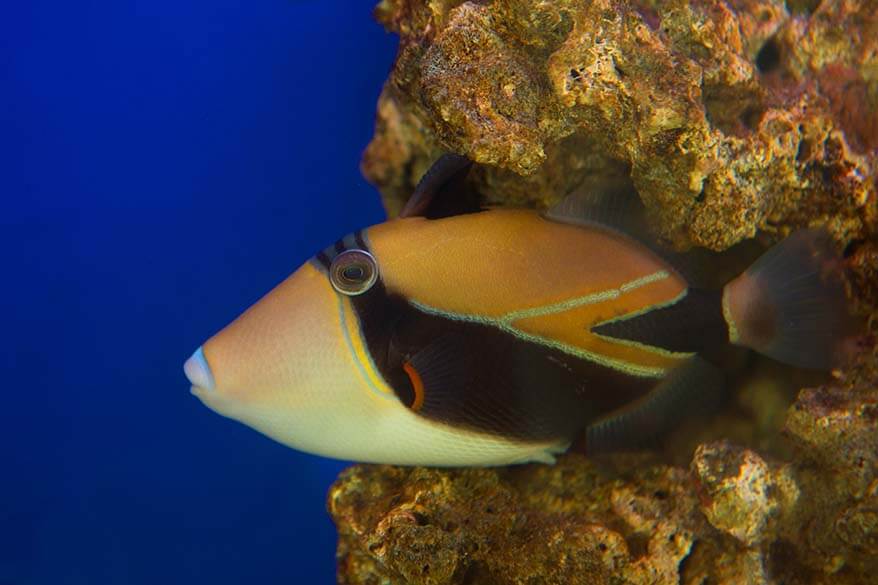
[{"x": 354, "y": 273}]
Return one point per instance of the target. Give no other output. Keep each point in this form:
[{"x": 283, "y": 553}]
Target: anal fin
[{"x": 689, "y": 390}]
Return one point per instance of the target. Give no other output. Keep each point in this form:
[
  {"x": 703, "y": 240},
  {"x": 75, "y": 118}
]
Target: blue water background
[{"x": 162, "y": 165}]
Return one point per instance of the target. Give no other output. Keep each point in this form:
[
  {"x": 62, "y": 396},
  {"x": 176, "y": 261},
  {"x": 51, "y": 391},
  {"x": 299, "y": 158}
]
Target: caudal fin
[{"x": 790, "y": 304}]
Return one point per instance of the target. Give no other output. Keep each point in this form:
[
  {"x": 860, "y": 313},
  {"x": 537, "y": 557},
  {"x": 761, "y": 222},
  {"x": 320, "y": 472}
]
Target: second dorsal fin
[{"x": 616, "y": 207}]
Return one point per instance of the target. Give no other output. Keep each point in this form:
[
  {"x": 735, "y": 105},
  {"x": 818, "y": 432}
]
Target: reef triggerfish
[{"x": 492, "y": 337}]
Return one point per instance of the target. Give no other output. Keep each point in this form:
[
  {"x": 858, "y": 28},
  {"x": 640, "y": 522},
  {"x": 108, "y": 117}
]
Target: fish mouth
[{"x": 198, "y": 372}]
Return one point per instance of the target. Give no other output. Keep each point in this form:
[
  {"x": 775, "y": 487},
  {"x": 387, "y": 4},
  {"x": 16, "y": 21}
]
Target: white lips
[{"x": 198, "y": 371}]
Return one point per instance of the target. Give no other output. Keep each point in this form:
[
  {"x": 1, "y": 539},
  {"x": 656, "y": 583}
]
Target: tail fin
[{"x": 790, "y": 304}]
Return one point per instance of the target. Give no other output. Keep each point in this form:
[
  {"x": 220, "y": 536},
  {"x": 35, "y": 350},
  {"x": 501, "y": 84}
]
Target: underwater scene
[{"x": 440, "y": 292}]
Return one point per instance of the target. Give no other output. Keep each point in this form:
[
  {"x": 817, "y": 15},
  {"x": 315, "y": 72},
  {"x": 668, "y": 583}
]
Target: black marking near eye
[
  {"x": 361, "y": 240},
  {"x": 323, "y": 260},
  {"x": 356, "y": 241}
]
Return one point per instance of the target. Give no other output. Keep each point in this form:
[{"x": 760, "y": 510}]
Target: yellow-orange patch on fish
[
  {"x": 417, "y": 386},
  {"x": 541, "y": 280}
]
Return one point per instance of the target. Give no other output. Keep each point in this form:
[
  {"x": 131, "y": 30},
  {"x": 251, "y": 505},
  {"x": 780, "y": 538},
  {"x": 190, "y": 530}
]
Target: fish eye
[{"x": 353, "y": 272}]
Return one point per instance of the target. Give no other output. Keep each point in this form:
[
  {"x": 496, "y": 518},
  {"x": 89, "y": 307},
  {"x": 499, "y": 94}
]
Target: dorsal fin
[
  {"x": 618, "y": 208},
  {"x": 442, "y": 191},
  {"x": 614, "y": 207}
]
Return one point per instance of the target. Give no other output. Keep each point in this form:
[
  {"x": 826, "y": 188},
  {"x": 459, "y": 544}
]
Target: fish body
[{"x": 487, "y": 338}]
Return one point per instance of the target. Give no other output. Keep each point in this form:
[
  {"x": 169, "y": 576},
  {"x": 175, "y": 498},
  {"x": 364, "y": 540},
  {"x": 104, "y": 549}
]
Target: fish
[{"x": 459, "y": 336}]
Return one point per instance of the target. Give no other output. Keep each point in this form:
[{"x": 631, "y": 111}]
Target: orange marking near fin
[{"x": 417, "y": 385}]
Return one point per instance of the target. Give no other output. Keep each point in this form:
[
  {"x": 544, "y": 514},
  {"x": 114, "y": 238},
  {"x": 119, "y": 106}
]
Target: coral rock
[
  {"x": 561, "y": 524},
  {"x": 727, "y": 117},
  {"x": 740, "y": 493}
]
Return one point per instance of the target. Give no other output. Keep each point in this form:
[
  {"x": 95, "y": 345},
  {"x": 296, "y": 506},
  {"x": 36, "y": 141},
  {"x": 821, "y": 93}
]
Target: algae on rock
[{"x": 729, "y": 118}]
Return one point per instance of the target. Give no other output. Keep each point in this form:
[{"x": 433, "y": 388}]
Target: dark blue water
[{"x": 162, "y": 165}]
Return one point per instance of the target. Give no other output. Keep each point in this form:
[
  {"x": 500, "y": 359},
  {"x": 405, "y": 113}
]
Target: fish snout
[{"x": 198, "y": 371}]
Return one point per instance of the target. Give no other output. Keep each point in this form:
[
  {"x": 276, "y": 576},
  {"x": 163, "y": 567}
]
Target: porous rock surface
[
  {"x": 727, "y": 117},
  {"x": 730, "y": 516}
]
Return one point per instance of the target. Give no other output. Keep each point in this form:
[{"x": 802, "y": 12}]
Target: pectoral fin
[
  {"x": 453, "y": 379},
  {"x": 439, "y": 375}
]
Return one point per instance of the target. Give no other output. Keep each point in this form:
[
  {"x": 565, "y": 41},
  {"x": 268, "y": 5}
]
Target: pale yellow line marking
[
  {"x": 590, "y": 299},
  {"x": 353, "y": 338},
  {"x": 506, "y": 323},
  {"x": 734, "y": 336}
]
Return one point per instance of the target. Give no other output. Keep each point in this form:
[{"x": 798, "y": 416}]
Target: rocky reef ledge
[
  {"x": 732, "y": 119},
  {"x": 732, "y": 516}
]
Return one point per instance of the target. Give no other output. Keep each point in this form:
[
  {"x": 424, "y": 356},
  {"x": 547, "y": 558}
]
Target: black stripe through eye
[
  {"x": 324, "y": 259},
  {"x": 339, "y": 247},
  {"x": 361, "y": 242}
]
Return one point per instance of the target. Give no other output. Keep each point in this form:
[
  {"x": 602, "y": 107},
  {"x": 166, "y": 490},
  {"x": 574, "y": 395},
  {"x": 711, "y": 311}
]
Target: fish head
[
  {"x": 294, "y": 366},
  {"x": 321, "y": 363}
]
